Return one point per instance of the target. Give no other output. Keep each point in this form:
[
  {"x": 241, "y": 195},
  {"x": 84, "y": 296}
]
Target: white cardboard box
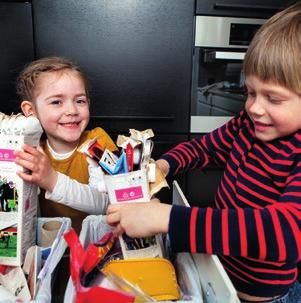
[
  {"x": 216, "y": 285},
  {"x": 19, "y": 214},
  {"x": 133, "y": 187}
]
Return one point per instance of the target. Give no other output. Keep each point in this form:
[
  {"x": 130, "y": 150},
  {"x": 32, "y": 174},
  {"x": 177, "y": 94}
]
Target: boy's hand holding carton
[{"x": 131, "y": 177}]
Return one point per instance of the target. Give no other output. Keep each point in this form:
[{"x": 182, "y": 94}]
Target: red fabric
[
  {"x": 193, "y": 229},
  {"x": 208, "y": 235}
]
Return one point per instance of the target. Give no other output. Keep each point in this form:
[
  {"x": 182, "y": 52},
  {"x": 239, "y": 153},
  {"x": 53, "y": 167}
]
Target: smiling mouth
[
  {"x": 261, "y": 124},
  {"x": 69, "y": 123},
  {"x": 261, "y": 127}
]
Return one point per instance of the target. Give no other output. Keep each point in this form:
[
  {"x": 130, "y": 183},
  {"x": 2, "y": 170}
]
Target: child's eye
[
  {"x": 273, "y": 99},
  {"x": 55, "y": 102},
  {"x": 81, "y": 101}
]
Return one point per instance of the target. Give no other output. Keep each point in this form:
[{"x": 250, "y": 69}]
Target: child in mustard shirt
[{"x": 55, "y": 90}]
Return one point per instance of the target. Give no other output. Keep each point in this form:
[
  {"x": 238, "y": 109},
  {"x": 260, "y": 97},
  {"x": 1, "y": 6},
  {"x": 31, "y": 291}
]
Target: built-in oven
[
  {"x": 218, "y": 81},
  {"x": 241, "y": 8}
]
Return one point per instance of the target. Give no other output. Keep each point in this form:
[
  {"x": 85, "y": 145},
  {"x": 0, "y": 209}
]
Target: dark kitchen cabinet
[
  {"x": 201, "y": 185},
  {"x": 138, "y": 55},
  {"x": 16, "y": 49},
  {"x": 163, "y": 143},
  {"x": 239, "y": 8}
]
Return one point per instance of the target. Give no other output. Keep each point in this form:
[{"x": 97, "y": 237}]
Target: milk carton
[
  {"x": 133, "y": 187},
  {"x": 18, "y": 207}
]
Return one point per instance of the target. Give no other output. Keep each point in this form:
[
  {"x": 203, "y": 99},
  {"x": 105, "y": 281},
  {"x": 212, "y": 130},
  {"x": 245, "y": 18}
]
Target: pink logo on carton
[
  {"x": 7, "y": 155},
  {"x": 129, "y": 193}
]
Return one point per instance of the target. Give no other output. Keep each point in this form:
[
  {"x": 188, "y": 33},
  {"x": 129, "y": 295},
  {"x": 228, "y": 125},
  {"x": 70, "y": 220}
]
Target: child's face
[
  {"x": 274, "y": 109},
  {"x": 62, "y": 106}
]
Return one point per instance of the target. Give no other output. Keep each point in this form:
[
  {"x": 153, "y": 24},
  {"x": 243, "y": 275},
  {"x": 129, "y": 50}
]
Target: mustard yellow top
[{"x": 76, "y": 167}]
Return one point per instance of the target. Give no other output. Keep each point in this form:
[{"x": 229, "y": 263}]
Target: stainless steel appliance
[
  {"x": 217, "y": 82},
  {"x": 241, "y": 8}
]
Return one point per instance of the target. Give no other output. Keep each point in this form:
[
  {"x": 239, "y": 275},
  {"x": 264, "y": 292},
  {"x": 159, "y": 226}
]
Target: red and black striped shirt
[{"x": 255, "y": 224}]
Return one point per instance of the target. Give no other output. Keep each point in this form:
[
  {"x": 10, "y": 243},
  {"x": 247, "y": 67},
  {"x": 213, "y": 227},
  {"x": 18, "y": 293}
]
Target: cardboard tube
[{"x": 49, "y": 232}]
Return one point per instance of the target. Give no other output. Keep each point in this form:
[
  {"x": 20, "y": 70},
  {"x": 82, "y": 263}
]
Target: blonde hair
[
  {"x": 275, "y": 51},
  {"x": 27, "y": 78}
]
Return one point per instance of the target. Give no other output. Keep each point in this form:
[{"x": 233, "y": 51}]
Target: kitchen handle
[
  {"x": 246, "y": 7},
  {"x": 229, "y": 55},
  {"x": 136, "y": 118},
  {"x": 216, "y": 55}
]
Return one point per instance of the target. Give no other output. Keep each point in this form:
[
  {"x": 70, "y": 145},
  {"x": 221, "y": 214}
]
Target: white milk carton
[
  {"x": 133, "y": 187},
  {"x": 18, "y": 207}
]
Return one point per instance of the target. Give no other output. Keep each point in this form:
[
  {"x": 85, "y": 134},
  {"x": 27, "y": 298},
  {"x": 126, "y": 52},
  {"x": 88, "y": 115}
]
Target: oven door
[
  {"x": 218, "y": 89},
  {"x": 253, "y": 8},
  {"x": 217, "y": 81}
]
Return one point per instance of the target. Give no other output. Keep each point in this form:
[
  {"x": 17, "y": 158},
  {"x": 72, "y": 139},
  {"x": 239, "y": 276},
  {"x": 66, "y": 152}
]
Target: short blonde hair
[
  {"x": 275, "y": 51},
  {"x": 28, "y": 76}
]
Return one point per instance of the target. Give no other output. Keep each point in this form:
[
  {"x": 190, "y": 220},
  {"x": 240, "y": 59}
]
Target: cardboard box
[
  {"x": 215, "y": 282},
  {"x": 201, "y": 277},
  {"x": 128, "y": 187},
  {"x": 18, "y": 209},
  {"x": 95, "y": 227},
  {"x": 133, "y": 187}
]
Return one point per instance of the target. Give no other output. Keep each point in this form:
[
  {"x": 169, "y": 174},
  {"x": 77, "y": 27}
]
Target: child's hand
[
  {"x": 37, "y": 162},
  {"x": 139, "y": 219}
]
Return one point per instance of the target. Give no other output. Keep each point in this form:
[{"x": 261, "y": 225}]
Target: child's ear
[{"x": 28, "y": 108}]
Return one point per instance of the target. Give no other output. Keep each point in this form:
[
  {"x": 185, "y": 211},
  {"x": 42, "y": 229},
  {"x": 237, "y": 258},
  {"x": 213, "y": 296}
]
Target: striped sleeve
[
  {"x": 258, "y": 202},
  {"x": 211, "y": 148},
  {"x": 271, "y": 233}
]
